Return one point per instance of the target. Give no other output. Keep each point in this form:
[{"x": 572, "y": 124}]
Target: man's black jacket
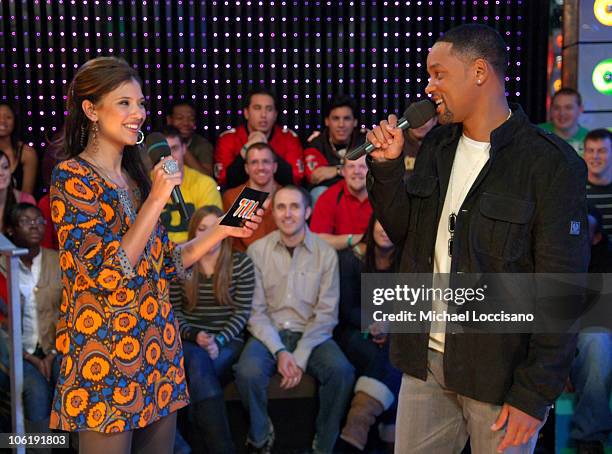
[{"x": 516, "y": 218}]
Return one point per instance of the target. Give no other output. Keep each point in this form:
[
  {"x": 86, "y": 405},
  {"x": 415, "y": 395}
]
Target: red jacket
[{"x": 284, "y": 142}]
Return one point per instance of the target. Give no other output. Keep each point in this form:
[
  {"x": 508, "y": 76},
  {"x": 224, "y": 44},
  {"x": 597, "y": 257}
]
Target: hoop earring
[{"x": 141, "y": 137}]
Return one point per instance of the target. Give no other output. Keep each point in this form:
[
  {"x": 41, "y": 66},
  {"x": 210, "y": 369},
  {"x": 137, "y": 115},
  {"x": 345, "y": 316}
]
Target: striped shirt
[
  {"x": 224, "y": 322},
  {"x": 601, "y": 198}
]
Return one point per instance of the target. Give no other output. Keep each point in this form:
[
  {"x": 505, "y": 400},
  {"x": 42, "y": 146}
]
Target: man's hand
[
  {"x": 254, "y": 137},
  {"x": 38, "y": 363},
  {"x": 212, "y": 349},
  {"x": 289, "y": 370},
  {"x": 520, "y": 428},
  {"x": 323, "y": 173},
  {"x": 48, "y": 361},
  {"x": 387, "y": 140}
]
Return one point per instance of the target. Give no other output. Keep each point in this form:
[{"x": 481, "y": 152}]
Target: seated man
[
  {"x": 197, "y": 189},
  {"x": 260, "y": 114},
  {"x": 565, "y": 109},
  {"x": 260, "y": 165},
  {"x": 413, "y": 137},
  {"x": 324, "y": 154},
  {"x": 295, "y": 309},
  {"x": 342, "y": 212},
  {"x": 199, "y": 154}
]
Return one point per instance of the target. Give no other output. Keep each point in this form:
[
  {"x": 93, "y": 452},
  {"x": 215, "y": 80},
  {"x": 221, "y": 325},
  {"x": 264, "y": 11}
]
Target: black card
[{"x": 244, "y": 207}]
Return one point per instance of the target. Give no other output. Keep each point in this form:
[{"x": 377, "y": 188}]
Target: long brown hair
[
  {"x": 223, "y": 267},
  {"x": 11, "y": 200},
  {"x": 91, "y": 82}
]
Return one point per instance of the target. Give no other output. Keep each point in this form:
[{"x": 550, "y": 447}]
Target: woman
[
  {"x": 377, "y": 387},
  {"x": 122, "y": 376},
  {"x": 212, "y": 308},
  {"x": 22, "y": 158},
  {"x": 40, "y": 292},
  {"x": 9, "y": 196}
]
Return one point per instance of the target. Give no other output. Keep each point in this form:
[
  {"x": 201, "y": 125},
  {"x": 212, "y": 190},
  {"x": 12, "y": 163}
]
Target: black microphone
[
  {"x": 157, "y": 148},
  {"x": 415, "y": 116}
]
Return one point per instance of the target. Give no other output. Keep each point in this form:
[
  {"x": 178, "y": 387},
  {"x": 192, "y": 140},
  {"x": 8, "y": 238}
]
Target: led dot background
[{"x": 213, "y": 52}]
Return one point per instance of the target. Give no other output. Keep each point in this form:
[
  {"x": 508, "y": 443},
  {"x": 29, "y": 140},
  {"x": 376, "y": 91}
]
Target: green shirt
[{"x": 576, "y": 141}]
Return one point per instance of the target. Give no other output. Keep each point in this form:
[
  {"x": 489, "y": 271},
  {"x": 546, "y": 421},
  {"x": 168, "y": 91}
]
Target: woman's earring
[
  {"x": 94, "y": 139},
  {"x": 83, "y": 138},
  {"x": 140, "y": 137}
]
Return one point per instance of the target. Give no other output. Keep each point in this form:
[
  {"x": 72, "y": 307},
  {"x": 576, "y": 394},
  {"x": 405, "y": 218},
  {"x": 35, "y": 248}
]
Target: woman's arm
[{"x": 29, "y": 162}]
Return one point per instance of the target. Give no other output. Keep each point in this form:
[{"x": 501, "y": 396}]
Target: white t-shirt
[
  {"x": 28, "y": 279},
  {"x": 470, "y": 158}
]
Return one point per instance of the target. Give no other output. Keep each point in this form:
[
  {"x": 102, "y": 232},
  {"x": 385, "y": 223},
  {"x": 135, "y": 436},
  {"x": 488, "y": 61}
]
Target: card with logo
[{"x": 244, "y": 207}]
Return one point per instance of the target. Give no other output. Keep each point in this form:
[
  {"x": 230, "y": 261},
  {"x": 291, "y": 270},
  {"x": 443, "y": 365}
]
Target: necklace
[{"x": 104, "y": 174}]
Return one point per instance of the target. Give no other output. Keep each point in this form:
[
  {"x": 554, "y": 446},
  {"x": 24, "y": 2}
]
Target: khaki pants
[{"x": 432, "y": 419}]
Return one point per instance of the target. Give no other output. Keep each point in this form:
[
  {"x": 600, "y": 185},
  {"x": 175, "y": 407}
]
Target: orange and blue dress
[{"x": 122, "y": 365}]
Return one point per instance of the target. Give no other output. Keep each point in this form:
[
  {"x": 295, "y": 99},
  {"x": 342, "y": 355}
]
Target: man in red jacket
[{"x": 260, "y": 114}]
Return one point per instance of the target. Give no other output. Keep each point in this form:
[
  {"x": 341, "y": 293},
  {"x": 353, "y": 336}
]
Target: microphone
[
  {"x": 157, "y": 148},
  {"x": 415, "y": 116}
]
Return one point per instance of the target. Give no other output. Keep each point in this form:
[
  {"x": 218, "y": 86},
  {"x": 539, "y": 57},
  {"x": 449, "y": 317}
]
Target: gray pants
[{"x": 432, "y": 419}]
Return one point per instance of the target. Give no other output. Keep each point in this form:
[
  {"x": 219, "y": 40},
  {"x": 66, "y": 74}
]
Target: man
[
  {"x": 342, "y": 213},
  {"x": 598, "y": 158},
  {"x": 295, "y": 309},
  {"x": 199, "y": 154},
  {"x": 197, "y": 189},
  {"x": 324, "y": 155},
  {"x": 260, "y": 165},
  {"x": 490, "y": 193},
  {"x": 565, "y": 109},
  {"x": 260, "y": 114},
  {"x": 413, "y": 138}
]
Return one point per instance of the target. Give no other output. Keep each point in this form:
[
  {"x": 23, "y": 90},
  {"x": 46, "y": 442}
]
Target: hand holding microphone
[{"x": 386, "y": 140}]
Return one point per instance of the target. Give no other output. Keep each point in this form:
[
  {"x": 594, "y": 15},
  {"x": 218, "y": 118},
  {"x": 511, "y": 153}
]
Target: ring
[{"x": 170, "y": 166}]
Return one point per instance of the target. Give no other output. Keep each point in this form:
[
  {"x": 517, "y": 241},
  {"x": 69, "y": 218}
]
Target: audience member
[
  {"x": 598, "y": 158},
  {"x": 260, "y": 165},
  {"x": 341, "y": 214},
  {"x": 565, "y": 109},
  {"x": 591, "y": 372},
  {"x": 199, "y": 154},
  {"x": 295, "y": 309},
  {"x": 378, "y": 382},
  {"x": 260, "y": 114},
  {"x": 212, "y": 308},
  {"x": 324, "y": 154},
  {"x": 9, "y": 196},
  {"x": 197, "y": 189},
  {"x": 40, "y": 290},
  {"x": 22, "y": 158},
  {"x": 413, "y": 137}
]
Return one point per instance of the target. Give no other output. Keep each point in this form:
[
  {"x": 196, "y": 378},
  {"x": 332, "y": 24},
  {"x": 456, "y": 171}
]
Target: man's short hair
[
  {"x": 260, "y": 146},
  {"x": 598, "y": 134},
  {"x": 258, "y": 91},
  {"x": 179, "y": 102},
  {"x": 170, "y": 131},
  {"x": 341, "y": 101},
  {"x": 479, "y": 41},
  {"x": 305, "y": 194},
  {"x": 570, "y": 92}
]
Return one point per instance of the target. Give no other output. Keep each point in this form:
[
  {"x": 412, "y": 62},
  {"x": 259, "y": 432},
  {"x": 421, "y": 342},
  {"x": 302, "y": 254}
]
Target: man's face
[
  {"x": 289, "y": 211},
  {"x": 355, "y": 174},
  {"x": 420, "y": 132},
  {"x": 261, "y": 114},
  {"x": 341, "y": 124},
  {"x": 260, "y": 166},
  {"x": 451, "y": 84},
  {"x": 177, "y": 149},
  {"x": 183, "y": 119},
  {"x": 597, "y": 156},
  {"x": 564, "y": 112}
]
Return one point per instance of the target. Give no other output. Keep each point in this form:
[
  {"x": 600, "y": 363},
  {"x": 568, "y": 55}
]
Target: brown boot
[{"x": 363, "y": 413}]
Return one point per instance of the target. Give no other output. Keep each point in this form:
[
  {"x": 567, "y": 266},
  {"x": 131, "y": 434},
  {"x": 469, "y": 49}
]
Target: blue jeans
[
  {"x": 327, "y": 364},
  {"x": 591, "y": 375},
  {"x": 371, "y": 360},
  {"x": 206, "y": 377}
]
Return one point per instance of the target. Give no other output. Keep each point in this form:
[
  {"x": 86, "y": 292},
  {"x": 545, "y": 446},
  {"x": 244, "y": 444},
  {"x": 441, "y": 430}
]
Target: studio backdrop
[{"x": 213, "y": 52}]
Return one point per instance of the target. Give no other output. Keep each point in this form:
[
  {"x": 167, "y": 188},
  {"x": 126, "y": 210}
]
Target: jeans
[
  {"x": 591, "y": 376},
  {"x": 206, "y": 377},
  {"x": 372, "y": 361},
  {"x": 327, "y": 364}
]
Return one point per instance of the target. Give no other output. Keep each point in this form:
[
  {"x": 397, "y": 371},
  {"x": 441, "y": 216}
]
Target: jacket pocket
[
  {"x": 419, "y": 188},
  {"x": 503, "y": 226}
]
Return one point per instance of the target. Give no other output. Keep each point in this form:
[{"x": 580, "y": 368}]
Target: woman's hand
[
  {"x": 162, "y": 182},
  {"x": 203, "y": 339}
]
